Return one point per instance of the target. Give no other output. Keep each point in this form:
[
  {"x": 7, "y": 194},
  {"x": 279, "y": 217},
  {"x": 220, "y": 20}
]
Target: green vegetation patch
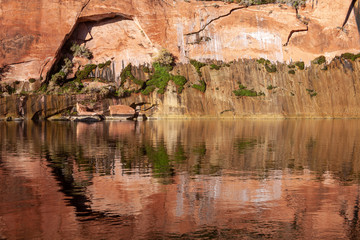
[
  {"x": 300, "y": 65},
  {"x": 10, "y": 90},
  {"x": 80, "y": 51},
  {"x": 58, "y": 77},
  {"x": 83, "y": 74},
  {"x": 146, "y": 69},
  {"x": 160, "y": 79},
  {"x": 32, "y": 80},
  {"x": 271, "y": 87},
  {"x": 214, "y": 66},
  {"x": 291, "y": 66},
  {"x": 324, "y": 68},
  {"x": 350, "y": 56},
  {"x": 271, "y": 68},
  {"x": 180, "y": 81},
  {"x": 201, "y": 87},
  {"x": 127, "y": 74},
  {"x": 243, "y": 92},
  {"x": 311, "y": 92},
  {"x": 291, "y": 71},
  {"x": 197, "y": 65},
  {"x": 103, "y": 65},
  {"x": 319, "y": 60}
]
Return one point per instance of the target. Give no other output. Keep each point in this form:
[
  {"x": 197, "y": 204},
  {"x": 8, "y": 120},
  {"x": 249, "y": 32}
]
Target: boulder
[
  {"x": 83, "y": 110},
  {"x": 121, "y": 110}
]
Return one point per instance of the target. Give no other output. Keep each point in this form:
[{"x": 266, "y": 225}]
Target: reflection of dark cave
[
  {"x": 77, "y": 197},
  {"x": 355, "y": 5}
]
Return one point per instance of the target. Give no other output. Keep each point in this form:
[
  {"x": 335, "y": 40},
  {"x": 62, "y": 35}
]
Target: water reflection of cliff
[{"x": 193, "y": 179}]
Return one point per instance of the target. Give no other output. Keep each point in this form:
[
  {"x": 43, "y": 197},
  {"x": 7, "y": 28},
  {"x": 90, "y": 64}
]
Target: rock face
[
  {"x": 318, "y": 91},
  {"x": 35, "y": 33},
  {"x": 121, "y": 110}
]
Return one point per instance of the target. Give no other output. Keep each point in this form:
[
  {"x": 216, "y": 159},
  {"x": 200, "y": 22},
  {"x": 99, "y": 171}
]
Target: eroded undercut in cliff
[{"x": 113, "y": 39}]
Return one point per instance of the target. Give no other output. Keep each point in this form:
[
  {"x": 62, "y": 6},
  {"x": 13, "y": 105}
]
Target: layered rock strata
[
  {"x": 326, "y": 91},
  {"x": 34, "y": 33}
]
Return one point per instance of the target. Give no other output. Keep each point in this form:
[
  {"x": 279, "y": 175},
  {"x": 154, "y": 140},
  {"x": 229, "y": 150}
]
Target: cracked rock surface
[{"x": 34, "y": 32}]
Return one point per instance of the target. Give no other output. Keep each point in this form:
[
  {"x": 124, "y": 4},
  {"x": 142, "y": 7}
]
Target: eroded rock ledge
[
  {"x": 240, "y": 89},
  {"x": 133, "y": 31}
]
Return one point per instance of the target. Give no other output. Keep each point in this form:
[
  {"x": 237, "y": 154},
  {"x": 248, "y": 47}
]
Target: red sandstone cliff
[{"x": 32, "y": 33}]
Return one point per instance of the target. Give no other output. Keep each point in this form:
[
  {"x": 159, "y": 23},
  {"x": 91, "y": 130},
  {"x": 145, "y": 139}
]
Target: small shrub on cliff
[
  {"x": 103, "y": 65},
  {"x": 319, "y": 60},
  {"x": 291, "y": 71},
  {"x": 311, "y": 92},
  {"x": 180, "y": 82},
  {"x": 10, "y": 90},
  {"x": 164, "y": 58},
  {"x": 80, "y": 51},
  {"x": 148, "y": 90},
  {"x": 67, "y": 66},
  {"x": 324, "y": 68},
  {"x": 83, "y": 74},
  {"x": 32, "y": 80},
  {"x": 350, "y": 56},
  {"x": 201, "y": 87},
  {"x": 58, "y": 78},
  {"x": 146, "y": 70},
  {"x": 291, "y": 66},
  {"x": 197, "y": 65},
  {"x": 300, "y": 65},
  {"x": 214, "y": 66},
  {"x": 243, "y": 92},
  {"x": 271, "y": 68},
  {"x": 271, "y": 87},
  {"x": 127, "y": 74},
  {"x": 160, "y": 78}
]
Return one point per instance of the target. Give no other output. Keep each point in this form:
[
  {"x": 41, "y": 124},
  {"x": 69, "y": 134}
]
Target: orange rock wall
[
  {"x": 133, "y": 31},
  {"x": 336, "y": 88}
]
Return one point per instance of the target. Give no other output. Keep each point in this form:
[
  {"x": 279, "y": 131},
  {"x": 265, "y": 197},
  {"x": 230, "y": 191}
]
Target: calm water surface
[{"x": 213, "y": 179}]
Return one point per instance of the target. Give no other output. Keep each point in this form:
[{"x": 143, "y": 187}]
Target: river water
[{"x": 193, "y": 179}]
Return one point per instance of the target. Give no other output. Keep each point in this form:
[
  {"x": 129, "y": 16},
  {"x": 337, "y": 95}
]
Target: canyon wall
[
  {"x": 329, "y": 91},
  {"x": 34, "y": 33}
]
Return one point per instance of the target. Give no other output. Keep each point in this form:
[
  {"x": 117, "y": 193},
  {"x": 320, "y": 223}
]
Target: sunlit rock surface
[{"x": 33, "y": 33}]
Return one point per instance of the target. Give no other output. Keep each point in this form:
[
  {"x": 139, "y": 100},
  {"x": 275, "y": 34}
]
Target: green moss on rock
[
  {"x": 319, "y": 60},
  {"x": 201, "y": 87},
  {"x": 197, "y": 65}
]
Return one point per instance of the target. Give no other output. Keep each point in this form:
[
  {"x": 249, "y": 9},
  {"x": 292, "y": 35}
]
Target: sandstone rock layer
[
  {"x": 34, "y": 33},
  {"x": 315, "y": 92}
]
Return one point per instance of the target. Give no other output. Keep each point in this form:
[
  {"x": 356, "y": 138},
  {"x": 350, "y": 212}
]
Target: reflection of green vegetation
[
  {"x": 159, "y": 158},
  {"x": 244, "y": 144},
  {"x": 179, "y": 155},
  {"x": 311, "y": 143},
  {"x": 200, "y": 150}
]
